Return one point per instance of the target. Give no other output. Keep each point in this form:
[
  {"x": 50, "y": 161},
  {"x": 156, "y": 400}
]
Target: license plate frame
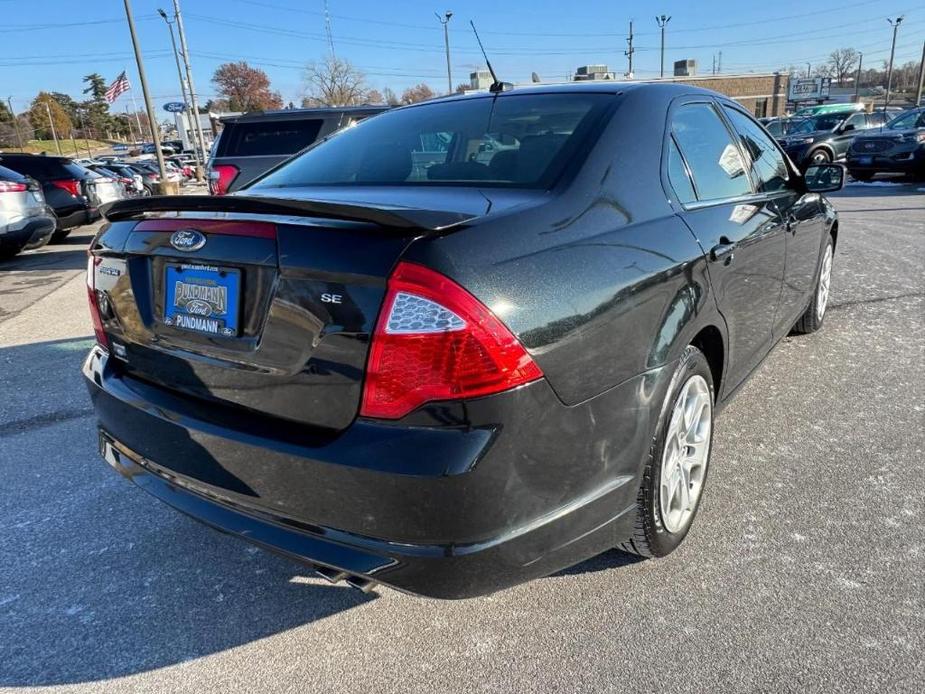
[{"x": 202, "y": 298}]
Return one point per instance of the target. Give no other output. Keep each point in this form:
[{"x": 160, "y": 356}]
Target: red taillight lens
[
  {"x": 93, "y": 300},
  {"x": 71, "y": 185},
  {"x": 220, "y": 178},
  {"x": 435, "y": 341},
  {"x": 11, "y": 187}
]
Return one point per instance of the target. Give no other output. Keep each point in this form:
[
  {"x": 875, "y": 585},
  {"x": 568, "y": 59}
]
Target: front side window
[
  {"x": 769, "y": 165},
  {"x": 858, "y": 120},
  {"x": 521, "y": 141},
  {"x": 714, "y": 160},
  {"x": 678, "y": 175}
]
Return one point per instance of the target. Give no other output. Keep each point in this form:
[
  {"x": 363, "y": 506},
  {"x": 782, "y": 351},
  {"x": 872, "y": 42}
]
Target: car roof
[{"x": 43, "y": 157}]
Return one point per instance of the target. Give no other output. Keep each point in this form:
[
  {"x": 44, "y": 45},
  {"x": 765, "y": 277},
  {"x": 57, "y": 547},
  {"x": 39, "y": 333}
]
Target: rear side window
[
  {"x": 769, "y": 166},
  {"x": 677, "y": 174},
  {"x": 268, "y": 137},
  {"x": 711, "y": 154}
]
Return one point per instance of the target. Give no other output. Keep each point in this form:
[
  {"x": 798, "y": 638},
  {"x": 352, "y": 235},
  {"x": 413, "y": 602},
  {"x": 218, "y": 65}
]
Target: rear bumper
[
  {"x": 436, "y": 511},
  {"x": 79, "y": 217},
  {"x": 911, "y": 161},
  {"x": 27, "y": 232}
]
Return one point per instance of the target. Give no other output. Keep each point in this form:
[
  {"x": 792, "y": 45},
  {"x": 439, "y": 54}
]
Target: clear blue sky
[{"x": 51, "y": 44}]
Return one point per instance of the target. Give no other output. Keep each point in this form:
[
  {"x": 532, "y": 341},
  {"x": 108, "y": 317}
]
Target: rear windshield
[
  {"x": 518, "y": 141},
  {"x": 47, "y": 168},
  {"x": 268, "y": 137}
]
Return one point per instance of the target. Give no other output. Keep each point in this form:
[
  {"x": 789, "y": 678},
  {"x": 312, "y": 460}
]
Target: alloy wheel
[
  {"x": 686, "y": 453},
  {"x": 825, "y": 278}
]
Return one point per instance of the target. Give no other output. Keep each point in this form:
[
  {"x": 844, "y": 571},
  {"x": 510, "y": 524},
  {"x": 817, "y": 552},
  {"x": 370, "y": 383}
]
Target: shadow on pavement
[
  {"x": 70, "y": 255},
  {"x": 99, "y": 580},
  {"x": 613, "y": 559}
]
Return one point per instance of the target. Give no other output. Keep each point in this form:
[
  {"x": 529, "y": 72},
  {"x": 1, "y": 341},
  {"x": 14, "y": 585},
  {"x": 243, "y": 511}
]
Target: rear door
[
  {"x": 803, "y": 216},
  {"x": 737, "y": 226}
]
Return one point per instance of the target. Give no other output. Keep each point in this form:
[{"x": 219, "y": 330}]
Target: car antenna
[{"x": 496, "y": 84}]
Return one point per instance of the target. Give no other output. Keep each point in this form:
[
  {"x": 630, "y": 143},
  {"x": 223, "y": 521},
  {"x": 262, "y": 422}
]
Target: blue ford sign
[{"x": 175, "y": 107}]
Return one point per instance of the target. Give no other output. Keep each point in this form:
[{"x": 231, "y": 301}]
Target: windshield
[
  {"x": 825, "y": 122},
  {"x": 906, "y": 121},
  {"x": 518, "y": 141}
]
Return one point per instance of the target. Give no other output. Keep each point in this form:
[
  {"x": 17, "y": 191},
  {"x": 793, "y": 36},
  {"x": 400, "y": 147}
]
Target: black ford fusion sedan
[{"x": 466, "y": 343}]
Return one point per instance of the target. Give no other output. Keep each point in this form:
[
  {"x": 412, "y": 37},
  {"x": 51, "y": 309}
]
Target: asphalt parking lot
[{"x": 805, "y": 570}]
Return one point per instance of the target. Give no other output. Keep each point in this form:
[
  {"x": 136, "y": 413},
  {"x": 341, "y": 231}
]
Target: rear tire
[
  {"x": 669, "y": 497},
  {"x": 59, "y": 235},
  {"x": 812, "y": 318},
  {"x": 818, "y": 156}
]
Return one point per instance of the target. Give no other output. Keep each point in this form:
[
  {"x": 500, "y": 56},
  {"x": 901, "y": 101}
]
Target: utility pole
[
  {"x": 197, "y": 125},
  {"x": 809, "y": 69},
  {"x": 889, "y": 74},
  {"x": 918, "y": 93},
  {"x": 445, "y": 20},
  {"x": 857, "y": 79},
  {"x": 183, "y": 93},
  {"x": 662, "y": 21},
  {"x": 52, "y": 124},
  {"x": 719, "y": 63},
  {"x": 155, "y": 135},
  {"x": 629, "y": 52},
  {"x": 9, "y": 100},
  {"x": 80, "y": 121},
  {"x": 714, "y": 65}
]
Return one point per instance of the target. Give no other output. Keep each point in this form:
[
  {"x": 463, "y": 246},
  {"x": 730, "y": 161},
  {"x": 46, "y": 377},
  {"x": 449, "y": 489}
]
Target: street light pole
[
  {"x": 9, "y": 100},
  {"x": 662, "y": 21},
  {"x": 52, "y": 124},
  {"x": 197, "y": 125},
  {"x": 918, "y": 94},
  {"x": 889, "y": 75},
  {"x": 857, "y": 79},
  {"x": 445, "y": 20},
  {"x": 149, "y": 107},
  {"x": 185, "y": 114}
]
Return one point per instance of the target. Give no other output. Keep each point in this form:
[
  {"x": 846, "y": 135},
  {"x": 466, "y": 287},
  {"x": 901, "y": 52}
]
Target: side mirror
[
  {"x": 849, "y": 126},
  {"x": 824, "y": 178}
]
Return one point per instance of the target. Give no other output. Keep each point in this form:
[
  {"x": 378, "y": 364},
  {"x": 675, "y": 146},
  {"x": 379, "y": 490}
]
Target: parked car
[
  {"x": 252, "y": 144},
  {"x": 456, "y": 378},
  {"x": 829, "y": 109},
  {"x": 897, "y": 148},
  {"x": 166, "y": 150},
  {"x": 72, "y": 191},
  {"x": 132, "y": 178},
  {"x": 25, "y": 220},
  {"x": 152, "y": 174},
  {"x": 826, "y": 138},
  {"x": 780, "y": 126}
]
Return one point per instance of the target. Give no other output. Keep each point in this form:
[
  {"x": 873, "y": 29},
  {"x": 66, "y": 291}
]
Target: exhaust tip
[{"x": 333, "y": 575}]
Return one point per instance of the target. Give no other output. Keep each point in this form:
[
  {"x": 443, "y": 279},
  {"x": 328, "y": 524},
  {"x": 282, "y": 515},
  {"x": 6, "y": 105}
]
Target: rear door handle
[{"x": 723, "y": 251}]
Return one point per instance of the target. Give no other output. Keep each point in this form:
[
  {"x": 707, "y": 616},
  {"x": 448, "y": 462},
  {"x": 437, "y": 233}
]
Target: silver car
[{"x": 25, "y": 220}]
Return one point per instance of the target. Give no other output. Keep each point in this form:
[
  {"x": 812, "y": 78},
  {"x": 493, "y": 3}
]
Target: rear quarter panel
[{"x": 601, "y": 283}]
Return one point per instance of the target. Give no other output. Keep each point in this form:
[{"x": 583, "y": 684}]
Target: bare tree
[
  {"x": 390, "y": 97},
  {"x": 842, "y": 63},
  {"x": 373, "y": 96},
  {"x": 418, "y": 92},
  {"x": 334, "y": 82}
]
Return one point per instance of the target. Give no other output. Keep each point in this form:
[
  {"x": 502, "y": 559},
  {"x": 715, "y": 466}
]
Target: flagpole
[{"x": 135, "y": 107}]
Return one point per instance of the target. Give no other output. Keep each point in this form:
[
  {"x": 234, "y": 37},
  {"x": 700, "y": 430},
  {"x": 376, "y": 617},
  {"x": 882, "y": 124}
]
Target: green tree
[
  {"x": 96, "y": 86},
  {"x": 5, "y": 114}
]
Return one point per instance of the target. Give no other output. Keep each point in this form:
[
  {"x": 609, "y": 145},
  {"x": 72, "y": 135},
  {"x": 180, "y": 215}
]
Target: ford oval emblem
[{"x": 187, "y": 239}]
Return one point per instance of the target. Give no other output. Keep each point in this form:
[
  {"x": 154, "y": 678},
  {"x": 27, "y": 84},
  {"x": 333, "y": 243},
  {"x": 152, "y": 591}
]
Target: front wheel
[
  {"x": 676, "y": 468},
  {"x": 818, "y": 156},
  {"x": 812, "y": 318}
]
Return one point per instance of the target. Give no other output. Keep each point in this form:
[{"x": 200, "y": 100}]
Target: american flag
[{"x": 116, "y": 88}]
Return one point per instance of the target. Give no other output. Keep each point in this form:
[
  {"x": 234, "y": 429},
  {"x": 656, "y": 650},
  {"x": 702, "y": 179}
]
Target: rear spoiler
[{"x": 387, "y": 216}]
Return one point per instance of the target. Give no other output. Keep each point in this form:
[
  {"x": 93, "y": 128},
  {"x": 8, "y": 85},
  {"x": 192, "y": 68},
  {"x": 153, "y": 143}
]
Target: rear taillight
[
  {"x": 94, "y": 301},
  {"x": 220, "y": 178},
  {"x": 70, "y": 185},
  {"x": 435, "y": 341},
  {"x": 11, "y": 187}
]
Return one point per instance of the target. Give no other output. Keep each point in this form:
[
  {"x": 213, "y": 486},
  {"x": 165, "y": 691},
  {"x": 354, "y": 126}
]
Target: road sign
[
  {"x": 119, "y": 148},
  {"x": 175, "y": 107},
  {"x": 809, "y": 89}
]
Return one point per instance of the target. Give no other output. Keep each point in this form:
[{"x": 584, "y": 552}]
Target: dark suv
[
  {"x": 897, "y": 148},
  {"x": 252, "y": 144},
  {"x": 72, "y": 191},
  {"x": 825, "y": 138}
]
